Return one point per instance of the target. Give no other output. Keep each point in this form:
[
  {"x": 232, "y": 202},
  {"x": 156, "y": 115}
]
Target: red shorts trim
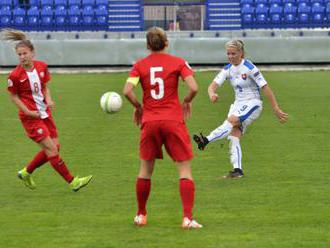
[
  {"x": 172, "y": 134},
  {"x": 38, "y": 129}
]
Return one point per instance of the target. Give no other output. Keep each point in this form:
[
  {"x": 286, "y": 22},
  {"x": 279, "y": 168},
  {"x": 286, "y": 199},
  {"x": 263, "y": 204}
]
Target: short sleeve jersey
[
  {"x": 159, "y": 75},
  {"x": 245, "y": 78},
  {"x": 30, "y": 87}
]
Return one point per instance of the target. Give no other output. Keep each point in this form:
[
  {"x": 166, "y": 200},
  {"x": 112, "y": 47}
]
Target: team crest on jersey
[
  {"x": 10, "y": 83},
  {"x": 42, "y": 74},
  {"x": 40, "y": 131},
  {"x": 244, "y": 76}
]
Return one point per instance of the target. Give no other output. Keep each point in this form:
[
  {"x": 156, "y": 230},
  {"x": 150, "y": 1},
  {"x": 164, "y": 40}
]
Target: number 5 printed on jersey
[{"x": 156, "y": 80}]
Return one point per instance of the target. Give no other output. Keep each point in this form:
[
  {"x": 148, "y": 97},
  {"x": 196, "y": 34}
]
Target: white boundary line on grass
[{"x": 196, "y": 68}]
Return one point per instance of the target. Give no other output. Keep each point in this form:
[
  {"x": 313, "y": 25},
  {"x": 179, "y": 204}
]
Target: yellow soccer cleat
[
  {"x": 26, "y": 178},
  {"x": 80, "y": 182}
]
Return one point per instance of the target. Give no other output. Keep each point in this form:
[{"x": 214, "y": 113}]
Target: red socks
[
  {"x": 39, "y": 159},
  {"x": 142, "y": 193},
  {"x": 187, "y": 193},
  {"x": 59, "y": 165}
]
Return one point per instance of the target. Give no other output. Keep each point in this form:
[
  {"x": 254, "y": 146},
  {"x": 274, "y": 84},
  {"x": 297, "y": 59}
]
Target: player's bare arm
[
  {"x": 282, "y": 116},
  {"x": 49, "y": 99},
  {"x": 193, "y": 89},
  {"x": 212, "y": 92},
  {"x": 129, "y": 94},
  {"x": 15, "y": 99}
]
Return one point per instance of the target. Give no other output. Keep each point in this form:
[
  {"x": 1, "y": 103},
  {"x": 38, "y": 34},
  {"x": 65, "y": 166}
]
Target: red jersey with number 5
[
  {"x": 159, "y": 75},
  {"x": 30, "y": 87}
]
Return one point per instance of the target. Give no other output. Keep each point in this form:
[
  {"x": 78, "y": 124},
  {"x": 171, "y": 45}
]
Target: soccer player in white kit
[{"x": 246, "y": 80}]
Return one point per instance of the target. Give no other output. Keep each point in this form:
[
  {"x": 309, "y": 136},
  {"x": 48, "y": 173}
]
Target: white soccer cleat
[
  {"x": 140, "y": 220},
  {"x": 190, "y": 224}
]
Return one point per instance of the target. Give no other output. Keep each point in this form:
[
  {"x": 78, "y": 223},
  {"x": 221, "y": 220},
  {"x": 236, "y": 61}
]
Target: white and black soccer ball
[{"x": 111, "y": 102}]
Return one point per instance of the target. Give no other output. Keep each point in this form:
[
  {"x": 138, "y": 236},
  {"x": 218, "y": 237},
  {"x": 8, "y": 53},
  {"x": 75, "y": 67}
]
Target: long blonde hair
[{"x": 17, "y": 35}]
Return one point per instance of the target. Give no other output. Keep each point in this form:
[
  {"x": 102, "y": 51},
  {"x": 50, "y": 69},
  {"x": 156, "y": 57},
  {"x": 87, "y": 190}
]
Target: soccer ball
[{"x": 110, "y": 102}]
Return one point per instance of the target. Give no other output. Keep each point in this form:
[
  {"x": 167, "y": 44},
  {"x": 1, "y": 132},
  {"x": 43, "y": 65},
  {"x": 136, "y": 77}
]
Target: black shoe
[
  {"x": 201, "y": 141},
  {"x": 236, "y": 173}
]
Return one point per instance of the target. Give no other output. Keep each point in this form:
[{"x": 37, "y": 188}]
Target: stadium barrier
[{"x": 203, "y": 48}]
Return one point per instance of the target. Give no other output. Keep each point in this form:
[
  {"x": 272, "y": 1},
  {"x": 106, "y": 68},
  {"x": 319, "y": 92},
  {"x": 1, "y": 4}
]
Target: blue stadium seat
[
  {"x": 276, "y": 14},
  {"x": 44, "y": 3},
  {"x": 6, "y": 3},
  {"x": 88, "y": 3},
  {"x": 74, "y": 3},
  {"x": 261, "y": 2},
  {"x": 5, "y": 17},
  {"x": 251, "y": 2},
  {"x": 317, "y": 1},
  {"x": 60, "y": 18},
  {"x": 262, "y": 14},
  {"x": 46, "y": 18},
  {"x": 33, "y": 18},
  {"x": 32, "y": 3},
  {"x": 318, "y": 14},
  {"x": 74, "y": 17},
  {"x": 88, "y": 17},
  {"x": 247, "y": 11},
  {"x": 19, "y": 17},
  {"x": 278, "y": 2},
  {"x": 60, "y": 3},
  {"x": 104, "y": 3},
  {"x": 327, "y": 13},
  {"x": 101, "y": 17},
  {"x": 290, "y": 14},
  {"x": 290, "y": 1},
  {"x": 304, "y": 11}
]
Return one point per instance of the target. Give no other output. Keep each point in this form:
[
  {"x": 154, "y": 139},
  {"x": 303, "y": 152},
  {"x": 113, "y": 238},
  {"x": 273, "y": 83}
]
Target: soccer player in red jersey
[
  {"x": 161, "y": 117},
  {"x": 27, "y": 86}
]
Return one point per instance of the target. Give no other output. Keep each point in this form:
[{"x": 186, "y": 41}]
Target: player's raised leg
[{"x": 220, "y": 132}]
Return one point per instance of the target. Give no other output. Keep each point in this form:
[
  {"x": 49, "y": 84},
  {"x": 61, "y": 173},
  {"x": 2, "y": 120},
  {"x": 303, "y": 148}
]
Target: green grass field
[{"x": 284, "y": 200}]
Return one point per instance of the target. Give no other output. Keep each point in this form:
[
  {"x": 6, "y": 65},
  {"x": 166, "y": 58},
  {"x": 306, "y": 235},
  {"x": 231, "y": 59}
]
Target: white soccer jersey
[{"x": 246, "y": 80}]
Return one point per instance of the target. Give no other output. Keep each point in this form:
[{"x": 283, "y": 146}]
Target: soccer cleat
[
  {"x": 235, "y": 174},
  {"x": 190, "y": 224},
  {"x": 80, "y": 182},
  {"x": 26, "y": 178},
  {"x": 140, "y": 220},
  {"x": 201, "y": 141}
]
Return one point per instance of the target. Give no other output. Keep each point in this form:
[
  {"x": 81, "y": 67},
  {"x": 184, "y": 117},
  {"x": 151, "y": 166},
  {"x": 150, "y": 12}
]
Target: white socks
[
  {"x": 220, "y": 132},
  {"x": 235, "y": 152}
]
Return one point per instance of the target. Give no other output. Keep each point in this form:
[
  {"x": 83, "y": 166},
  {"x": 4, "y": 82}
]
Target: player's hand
[
  {"x": 51, "y": 104},
  {"x": 33, "y": 114},
  {"x": 283, "y": 117},
  {"x": 214, "y": 98},
  {"x": 137, "y": 116},
  {"x": 186, "y": 106}
]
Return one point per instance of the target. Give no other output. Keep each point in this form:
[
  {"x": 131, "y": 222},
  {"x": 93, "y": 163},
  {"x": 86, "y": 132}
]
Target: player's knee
[
  {"x": 234, "y": 120},
  {"x": 51, "y": 151}
]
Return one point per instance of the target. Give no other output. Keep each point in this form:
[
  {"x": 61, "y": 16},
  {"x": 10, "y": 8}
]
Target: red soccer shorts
[
  {"x": 174, "y": 135},
  {"x": 38, "y": 129}
]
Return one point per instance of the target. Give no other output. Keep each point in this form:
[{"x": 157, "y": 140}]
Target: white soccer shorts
[{"x": 246, "y": 111}]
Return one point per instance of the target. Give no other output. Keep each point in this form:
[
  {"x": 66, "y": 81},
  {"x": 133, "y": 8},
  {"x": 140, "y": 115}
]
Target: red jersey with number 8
[
  {"x": 159, "y": 75},
  {"x": 30, "y": 87}
]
